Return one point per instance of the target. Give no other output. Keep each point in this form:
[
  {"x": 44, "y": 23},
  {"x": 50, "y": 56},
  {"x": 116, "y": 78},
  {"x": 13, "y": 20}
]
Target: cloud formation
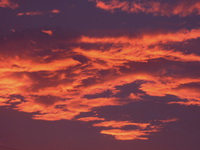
[
  {"x": 128, "y": 134},
  {"x": 179, "y": 7},
  {"x": 140, "y": 132},
  {"x": 61, "y": 78},
  {"x": 8, "y": 4}
]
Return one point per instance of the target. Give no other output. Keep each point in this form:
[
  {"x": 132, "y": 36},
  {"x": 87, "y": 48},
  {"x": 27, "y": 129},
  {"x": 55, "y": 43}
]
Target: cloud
[
  {"x": 38, "y": 13},
  {"x": 27, "y": 65},
  {"x": 128, "y": 134},
  {"x": 8, "y": 4},
  {"x": 172, "y": 86},
  {"x": 120, "y": 124},
  {"x": 89, "y": 119},
  {"x": 49, "y": 32},
  {"x": 141, "y": 131},
  {"x": 187, "y": 103},
  {"x": 181, "y": 8},
  {"x": 169, "y": 120},
  {"x": 147, "y": 38},
  {"x": 124, "y": 48},
  {"x": 55, "y": 11},
  {"x": 88, "y": 79},
  {"x": 3, "y": 101},
  {"x": 60, "y": 78}
]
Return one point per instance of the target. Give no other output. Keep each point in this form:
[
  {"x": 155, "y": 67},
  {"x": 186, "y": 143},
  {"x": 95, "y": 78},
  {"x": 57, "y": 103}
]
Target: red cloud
[
  {"x": 88, "y": 119},
  {"x": 9, "y": 4},
  {"x": 38, "y": 13},
  {"x": 128, "y": 134},
  {"x": 49, "y": 32},
  {"x": 181, "y": 8},
  {"x": 140, "y": 133},
  {"x": 170, "y": 86},
  {"x": 137, "y": 48},
  {"x": 54, "y": 84},
  {"x": 120, "y": 124},
  {"x": 148, "y": 38}
]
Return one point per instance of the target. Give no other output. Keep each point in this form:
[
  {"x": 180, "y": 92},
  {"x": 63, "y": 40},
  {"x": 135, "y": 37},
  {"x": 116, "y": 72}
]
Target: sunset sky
[{"x": 99, "y": 74}]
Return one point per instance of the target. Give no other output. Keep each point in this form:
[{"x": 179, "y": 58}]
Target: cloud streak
[
  {"x": 181, "y": 8},
  {"x": 38, "y": 13},
  {"x": 128, "y": 134},
  {"x": 140, "y": 132}
]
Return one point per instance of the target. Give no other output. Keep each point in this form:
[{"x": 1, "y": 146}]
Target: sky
[{"x": 99, "y": 74}]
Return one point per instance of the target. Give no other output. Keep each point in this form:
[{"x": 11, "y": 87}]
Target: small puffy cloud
[
  {"x": 55, "y": 11},
  {"x": 49, "y": 32}
]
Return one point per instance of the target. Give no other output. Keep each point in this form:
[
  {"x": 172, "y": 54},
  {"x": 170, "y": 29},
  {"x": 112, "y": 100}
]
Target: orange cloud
[
  {"x": 170, "y": 86},
  {"x": 33, "y": 13},
  {"x": 182, "y": 8},
  {"x": 12, "y": 84},
  {"x": 147, "y": 39},
  {"x": 3, "y": 101},
  {"x": 126, "y": 49},
  {"x": 69, "y": 110},
  {"x": 120, "y": 124},
  {"x": 128, "y": 134},
  {"x": 61, "y": 83},
  {"x": 70, "y": 81},
  {"x": 49, "y": 32},
  {"x": 8, "y": 4},
  {"x": 38, "y": 13},
  {"x": 187, "y": 103},
  {"x": 135, "y": 96},
  {"x": 55, "y": 11},
  {"x": 143, "y": 129},
  {"x": 169, "y": 120},
  {"x": 89, "y": 119},
  {"x": 86, "y": 105},
  {"x": 20, "y": 65}
]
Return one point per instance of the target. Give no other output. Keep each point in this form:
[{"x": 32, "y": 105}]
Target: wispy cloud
[
  {"x": 128, "y": 134},
  {"x": 120, "y": 124},
  {"x": 140, "y": 131},
  {"x": 89, "y": 119},
  {"x": 49, "y": 32},
  {"x": 180, "y": 8},
  {"x": 38, "y": 13},
  {"x": 8, "y": 4}
]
